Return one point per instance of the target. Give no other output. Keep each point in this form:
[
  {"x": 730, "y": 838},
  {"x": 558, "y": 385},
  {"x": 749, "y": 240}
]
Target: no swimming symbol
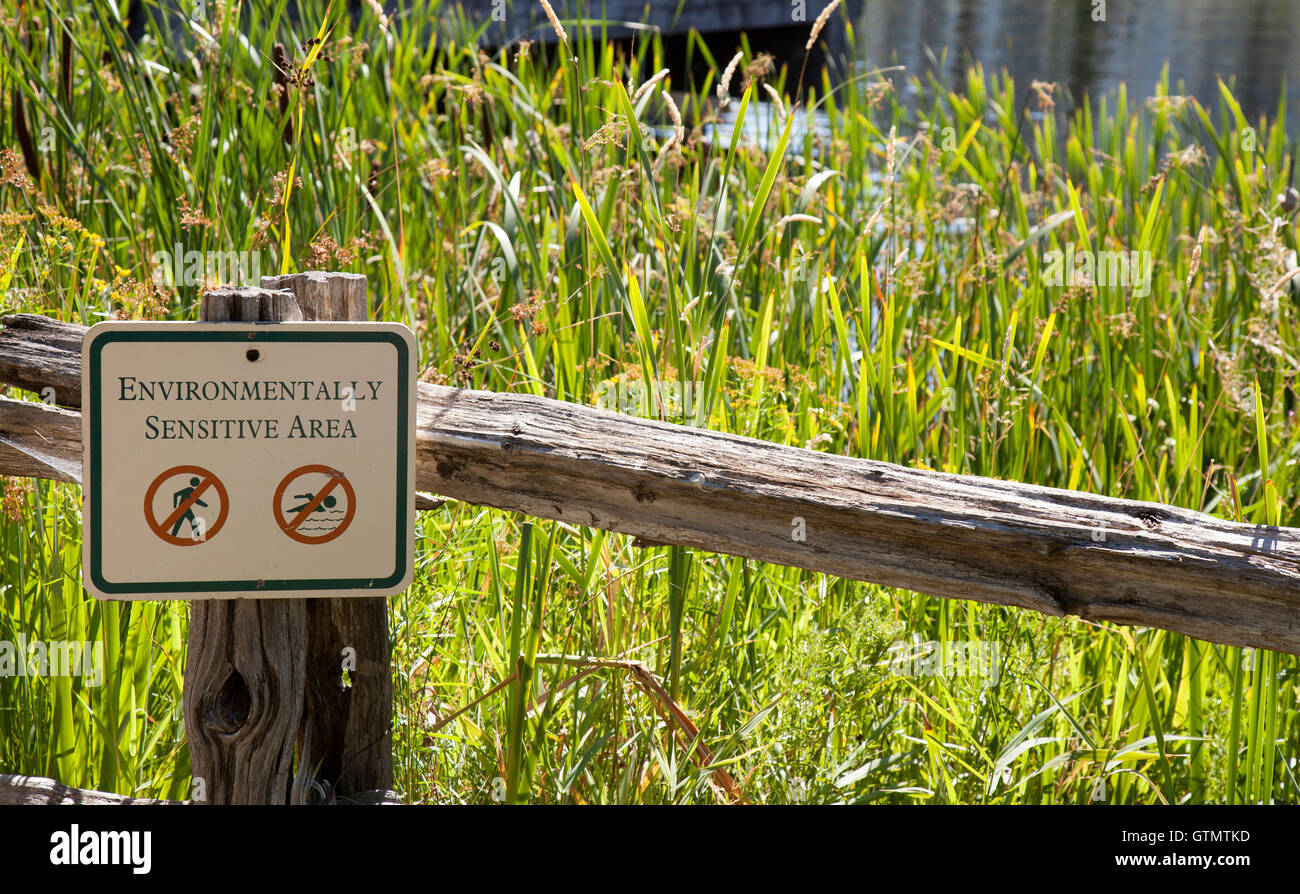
[{"x": 314, "y": 504}]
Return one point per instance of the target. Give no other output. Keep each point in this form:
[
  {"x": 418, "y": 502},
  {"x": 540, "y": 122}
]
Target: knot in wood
[{"x": 228, "y": 710}]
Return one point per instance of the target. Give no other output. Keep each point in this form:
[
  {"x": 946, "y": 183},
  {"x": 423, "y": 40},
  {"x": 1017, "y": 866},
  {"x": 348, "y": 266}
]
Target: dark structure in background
[
  {"x": 778, "y": 27},
  {"x": 1257, "y": 42}
]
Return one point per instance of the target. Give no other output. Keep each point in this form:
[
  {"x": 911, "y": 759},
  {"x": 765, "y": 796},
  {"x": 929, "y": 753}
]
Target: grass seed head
[
  {"x": 378, "y": 9},
  {"x": 821, "y": 24},
  {"x": 724, "y": 85},
  {"x": 555, "y": 23},
  {"x": 649, "y": 85}
]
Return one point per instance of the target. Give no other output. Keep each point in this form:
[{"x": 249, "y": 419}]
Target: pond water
[{"x": 1258, "y": 41}]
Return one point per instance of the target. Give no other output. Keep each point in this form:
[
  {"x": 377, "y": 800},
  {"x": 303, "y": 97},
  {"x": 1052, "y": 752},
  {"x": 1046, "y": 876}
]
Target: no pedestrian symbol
[
  {"x": 186, "y": 505},
  {"x": 315, "y": 504}
]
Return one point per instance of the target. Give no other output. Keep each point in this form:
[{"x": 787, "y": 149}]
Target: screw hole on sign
[{"x": 253, "y": 355}]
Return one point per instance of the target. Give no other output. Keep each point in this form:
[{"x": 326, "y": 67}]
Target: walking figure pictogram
[
  {"x": 180, "y": 497},
  {"x": 187, "y": 486}
]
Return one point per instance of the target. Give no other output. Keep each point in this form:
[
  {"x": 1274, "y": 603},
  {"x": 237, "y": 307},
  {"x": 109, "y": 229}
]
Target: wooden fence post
[{"x": 264, "y": 677}]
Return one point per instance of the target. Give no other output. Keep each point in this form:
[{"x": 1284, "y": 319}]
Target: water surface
[{"x": 1257, "y": 41}]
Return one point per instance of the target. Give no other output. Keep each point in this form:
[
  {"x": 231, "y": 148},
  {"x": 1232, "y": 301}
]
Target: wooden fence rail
[
  {"x": 37, "y": 790},
  {"x": 1054, "y": 551}
]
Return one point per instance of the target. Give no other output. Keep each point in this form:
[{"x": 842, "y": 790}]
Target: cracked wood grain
[{"x": 1054, "y": 551}]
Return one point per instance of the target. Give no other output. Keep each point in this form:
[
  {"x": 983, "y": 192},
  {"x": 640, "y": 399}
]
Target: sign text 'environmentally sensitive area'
[{"x": 248, "y": 460}]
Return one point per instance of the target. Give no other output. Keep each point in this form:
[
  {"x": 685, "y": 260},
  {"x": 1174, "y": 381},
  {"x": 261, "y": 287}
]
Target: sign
[{"x": 253, "y": 460}]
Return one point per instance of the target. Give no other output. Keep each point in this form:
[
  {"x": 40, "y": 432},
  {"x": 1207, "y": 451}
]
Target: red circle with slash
[
  {"x": 334, "y": 478},
  {"x": 206, "y": 480}
]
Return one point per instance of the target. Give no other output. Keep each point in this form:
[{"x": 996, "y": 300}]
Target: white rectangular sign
[{"x": 254, "y": 460}]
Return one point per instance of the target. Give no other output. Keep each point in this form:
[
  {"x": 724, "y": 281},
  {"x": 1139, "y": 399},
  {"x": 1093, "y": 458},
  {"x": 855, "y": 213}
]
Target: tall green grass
[{"x": 878, "y": 293}]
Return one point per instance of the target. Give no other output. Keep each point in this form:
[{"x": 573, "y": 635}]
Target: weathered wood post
[{"x": 264, "y": 677}]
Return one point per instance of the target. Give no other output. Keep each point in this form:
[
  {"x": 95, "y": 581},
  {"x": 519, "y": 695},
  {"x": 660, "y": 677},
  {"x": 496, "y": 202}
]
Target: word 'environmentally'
[{"x": 245, "y": 389}]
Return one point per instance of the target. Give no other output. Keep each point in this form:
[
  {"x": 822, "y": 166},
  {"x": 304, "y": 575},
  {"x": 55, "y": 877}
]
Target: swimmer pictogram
[{"x": 314, "y": 504}]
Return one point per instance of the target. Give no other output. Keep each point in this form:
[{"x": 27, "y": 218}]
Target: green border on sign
[{"x": 264, "y": 333}]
